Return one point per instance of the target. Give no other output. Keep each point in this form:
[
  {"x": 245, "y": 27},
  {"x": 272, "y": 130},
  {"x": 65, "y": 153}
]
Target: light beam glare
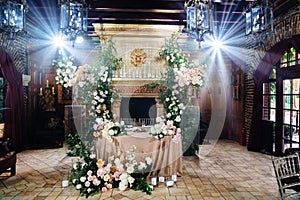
[{"x": 42, "y": 26}]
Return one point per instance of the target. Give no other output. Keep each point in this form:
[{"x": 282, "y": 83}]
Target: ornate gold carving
[{"x": 138, "y": 57}]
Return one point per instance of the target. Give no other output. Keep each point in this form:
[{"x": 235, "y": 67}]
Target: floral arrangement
[
  {"x": 189, "y": 76},
  {"x": 92, "y": 89},
  {"x": 162, "y": 128},
  {"x": 65, "y": 71},
  {"x": 179, "y": 75},
  {"x": 91, "y": 176},
  {"x": 108, "y": 129}
]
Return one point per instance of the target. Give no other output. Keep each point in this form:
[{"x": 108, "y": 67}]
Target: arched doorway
[{"x": 270, "y": 105}]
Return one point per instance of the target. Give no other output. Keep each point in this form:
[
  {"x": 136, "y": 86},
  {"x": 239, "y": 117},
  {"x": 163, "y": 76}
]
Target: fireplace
[
  {"x": 138, "y": 111},
  {"x": 138, "y": 104}
]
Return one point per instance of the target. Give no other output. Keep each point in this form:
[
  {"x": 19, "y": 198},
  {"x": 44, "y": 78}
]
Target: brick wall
[{"x": 15, "y": 46}]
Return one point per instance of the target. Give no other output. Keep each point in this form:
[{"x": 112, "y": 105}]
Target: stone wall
[{"x": 284, "y": 27}]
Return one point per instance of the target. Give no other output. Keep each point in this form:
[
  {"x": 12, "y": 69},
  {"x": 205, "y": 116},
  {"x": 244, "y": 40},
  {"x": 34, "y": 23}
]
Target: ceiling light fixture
[
  {"x": 73, "y": 19},
  {"x": 199, "y": 18},
  {"x": 259, "y": 17},
  {"x": 12, "y": 15}
]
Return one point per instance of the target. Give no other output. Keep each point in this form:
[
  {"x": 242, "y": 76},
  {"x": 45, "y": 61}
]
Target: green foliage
[
  {"x": 151, "y": 86},
  {"x": 140, "y": 184},
  {"x": 75, "y": 146},
  {"x": 190, "y": 129},
  {"x": 107, "y": 57}
]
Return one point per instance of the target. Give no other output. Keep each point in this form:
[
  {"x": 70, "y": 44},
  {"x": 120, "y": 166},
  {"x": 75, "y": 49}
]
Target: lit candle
[
  {"x": 174, "y": 177},
  {"x": 170, "y": 183},
  {"x": 41, "y": 91},
  {"x": 65, "y": 183},
  {"x": 78, "y": 186},
  {"x": 47, "y": 83},
  {"x": 161, "y": 179},
  {"x": 53, "y": 90},
  {"x": 153, "y": 181}
]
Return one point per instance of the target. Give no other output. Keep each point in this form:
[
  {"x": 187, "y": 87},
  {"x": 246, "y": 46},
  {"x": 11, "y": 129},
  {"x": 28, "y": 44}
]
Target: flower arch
[{"x": 180, "y": 74}]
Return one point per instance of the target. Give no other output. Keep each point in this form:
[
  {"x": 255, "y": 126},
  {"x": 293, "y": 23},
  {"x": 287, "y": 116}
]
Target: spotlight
[
  {"x": 58, "y": 41},
  {"x": 217, "y": 44},
  {"x": 79, "y": 39}
]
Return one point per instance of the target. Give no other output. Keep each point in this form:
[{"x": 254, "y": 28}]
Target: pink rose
[
  {"x": 104, "y": 189},
  {"x": 89, "y": 173},
  {"x": 109, "y": 186},
  {"x": 87, "y": 184}
]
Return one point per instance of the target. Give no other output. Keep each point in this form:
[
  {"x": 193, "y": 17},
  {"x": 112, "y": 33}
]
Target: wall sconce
[
  {"x": 259, "y": 17},
  {"x": 12, "y": 15},
  {"x": 73, "y": 19},
  {"x": 199, "y": 18},
  {"x": 47, "y": 97}
]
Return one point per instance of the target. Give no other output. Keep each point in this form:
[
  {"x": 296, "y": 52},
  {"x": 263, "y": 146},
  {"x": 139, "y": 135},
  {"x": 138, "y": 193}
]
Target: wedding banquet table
[{"x": 165, "y": 153}]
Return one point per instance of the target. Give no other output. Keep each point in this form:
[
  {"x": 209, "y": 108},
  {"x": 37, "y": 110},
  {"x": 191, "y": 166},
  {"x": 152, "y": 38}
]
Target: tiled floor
[{"x": 229, "y": 171}]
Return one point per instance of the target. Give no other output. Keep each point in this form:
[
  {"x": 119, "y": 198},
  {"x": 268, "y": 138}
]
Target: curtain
[
  {"x": 14, "y": 101},
  {"x": 261, "y": 74}
]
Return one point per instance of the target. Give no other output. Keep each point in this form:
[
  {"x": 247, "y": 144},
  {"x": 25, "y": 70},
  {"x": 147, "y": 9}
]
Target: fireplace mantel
[{"x": 134, "y": 88}]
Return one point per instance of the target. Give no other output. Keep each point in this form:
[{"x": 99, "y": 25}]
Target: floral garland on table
[
  {"x": 91, "y": 176},
  {"x": 93, "y": 89},
  {"x": 179, "y": 75}
]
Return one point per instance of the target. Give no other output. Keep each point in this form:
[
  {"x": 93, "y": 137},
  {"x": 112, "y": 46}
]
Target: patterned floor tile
[{"x": 228, "y": 171}]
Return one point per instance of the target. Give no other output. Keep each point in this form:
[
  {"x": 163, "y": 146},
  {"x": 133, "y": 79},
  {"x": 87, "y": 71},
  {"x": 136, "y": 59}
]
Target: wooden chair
[
  {"x": 8, "y": 157},
  {"x": 287, "y": 174}
]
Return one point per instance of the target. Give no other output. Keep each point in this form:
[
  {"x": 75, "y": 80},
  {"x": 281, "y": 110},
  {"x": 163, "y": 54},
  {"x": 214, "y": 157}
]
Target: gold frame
[{"x": 191, "y": 92}]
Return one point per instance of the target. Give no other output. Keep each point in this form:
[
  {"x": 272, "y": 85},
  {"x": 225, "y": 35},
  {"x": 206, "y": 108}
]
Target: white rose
[
  {"x": 170, "y": 132},
  {"x": 120, "y": 166},
  {"x": 178, "y": 130},
  {"x": 130, "y": 169},
  {"x": 92, "y": 156},
  {"x": 178, "y": 119},
  {"x": 75, "y": 166},
  {"x": 82, "y": 179},
  {"x": 111, "y": 132},
  {"x": 123, "y": 176},
  {"x": 78, "y": 186},
  {"x": 141, "y": 166},
  {"x": 148, "y": 160},
  {"x": 122, "y": 186},
  {"x": 130, "y": 179}
]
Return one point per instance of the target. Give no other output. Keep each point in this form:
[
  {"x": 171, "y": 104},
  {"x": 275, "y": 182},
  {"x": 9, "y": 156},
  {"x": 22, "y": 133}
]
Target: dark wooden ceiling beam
[{"x": 138, "y": 4}]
